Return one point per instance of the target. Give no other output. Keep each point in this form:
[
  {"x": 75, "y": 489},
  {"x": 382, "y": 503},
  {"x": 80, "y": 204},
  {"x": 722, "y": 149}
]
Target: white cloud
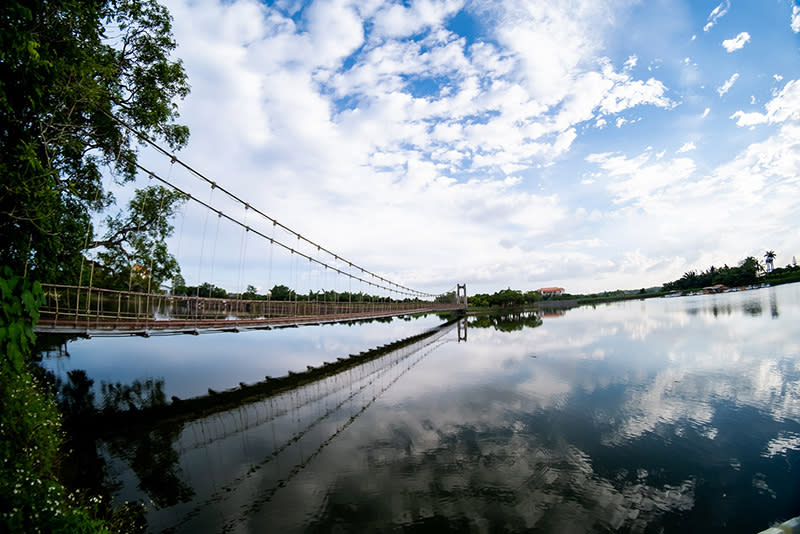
[
  {"x": 716, "y": 14},
  {"x": 796, "y": 19},
  {"x": 644, "y": 189},
  {"x": 637, "y": 179},
  {"x": 785, "y": 106},
  {"x": 777, "y": 77},
  {"x": 634, "y": 93},
  {"x": 687, "y": 147},
  {"x": 325, "y": 107},
  {"x": 332, "y": 43},
  {"x": 725, "y": 87},
  {"x": 748, "y": 119},
  {"x": 397, "y": 20},
  {"x": 737, "y": 43}
]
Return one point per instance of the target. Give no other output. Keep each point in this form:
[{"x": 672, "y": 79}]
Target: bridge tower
[{"x": 461, "y": 298}]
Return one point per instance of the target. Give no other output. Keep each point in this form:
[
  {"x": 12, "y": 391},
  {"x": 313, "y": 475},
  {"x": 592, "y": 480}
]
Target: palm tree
[{"x": 769, "y": 257}]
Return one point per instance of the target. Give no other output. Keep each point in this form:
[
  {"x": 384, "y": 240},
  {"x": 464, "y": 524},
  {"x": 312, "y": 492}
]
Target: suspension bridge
[
  {"x": 322, "y": 281},
  {"x": 95, "y": 311}
]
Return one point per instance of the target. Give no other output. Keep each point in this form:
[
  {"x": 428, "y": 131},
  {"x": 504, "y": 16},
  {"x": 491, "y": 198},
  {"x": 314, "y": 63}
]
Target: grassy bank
[{"x": 34, "y": 500}]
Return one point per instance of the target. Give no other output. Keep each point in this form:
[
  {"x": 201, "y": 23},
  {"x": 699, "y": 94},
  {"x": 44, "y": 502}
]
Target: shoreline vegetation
[
  {"x": 33, "y": 444},
  {"x": 749, "y": 274}
]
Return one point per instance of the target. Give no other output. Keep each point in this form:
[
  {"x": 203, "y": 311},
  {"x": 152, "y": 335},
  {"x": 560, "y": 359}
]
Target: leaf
[
  {"x": 5, "y": 292},
  {"x": 29, "y": 301}
]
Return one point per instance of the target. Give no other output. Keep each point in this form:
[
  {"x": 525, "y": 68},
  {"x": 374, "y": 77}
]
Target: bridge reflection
[{"x": 256, "y": 447}]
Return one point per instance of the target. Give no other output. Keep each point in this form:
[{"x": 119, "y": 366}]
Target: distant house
[{"x": 551, "y": 291}]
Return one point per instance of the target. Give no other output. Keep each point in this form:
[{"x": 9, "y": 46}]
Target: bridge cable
[
  {"x": 214, "y": 256},
  {"x": 142, "y": 136},
  {"x": 221, "y": 214}
]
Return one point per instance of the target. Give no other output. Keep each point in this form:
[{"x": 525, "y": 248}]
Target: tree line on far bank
[
  {"x": 748, "y": 272},
  {"x": 280, "y": 292},
  {"x": 504, "y": 298}
]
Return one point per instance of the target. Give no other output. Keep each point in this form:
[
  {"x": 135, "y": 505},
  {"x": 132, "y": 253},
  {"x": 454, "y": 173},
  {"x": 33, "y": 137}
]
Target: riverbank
[{"x": 31, "y": 437}]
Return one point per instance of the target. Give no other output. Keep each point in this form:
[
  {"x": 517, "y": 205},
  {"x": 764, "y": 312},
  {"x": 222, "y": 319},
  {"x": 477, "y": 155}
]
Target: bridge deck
[{"x": 93, "y": 311}]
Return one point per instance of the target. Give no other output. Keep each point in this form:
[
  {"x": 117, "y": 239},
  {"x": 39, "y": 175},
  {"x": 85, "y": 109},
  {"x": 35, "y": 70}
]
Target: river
[{"x": 659, "y": 415}]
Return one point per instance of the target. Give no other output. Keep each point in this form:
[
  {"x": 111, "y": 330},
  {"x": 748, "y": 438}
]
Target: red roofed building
[{"x": 551, "y": 291}]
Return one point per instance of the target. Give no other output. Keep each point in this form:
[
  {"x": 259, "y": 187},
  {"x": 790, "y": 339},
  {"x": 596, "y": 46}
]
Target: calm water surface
[
  {"x": 665, "y": 415},
  {"x": 189, "y": 365}
]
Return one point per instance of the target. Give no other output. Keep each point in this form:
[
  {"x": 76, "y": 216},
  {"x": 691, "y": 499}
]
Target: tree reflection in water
[
  {"x": 149, "y": 453},
  {"x": 507, "y": 321}
]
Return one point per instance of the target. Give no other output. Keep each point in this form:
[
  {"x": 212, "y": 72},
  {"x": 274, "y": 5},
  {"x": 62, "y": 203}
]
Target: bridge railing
[{"x": 92, "y": 307}]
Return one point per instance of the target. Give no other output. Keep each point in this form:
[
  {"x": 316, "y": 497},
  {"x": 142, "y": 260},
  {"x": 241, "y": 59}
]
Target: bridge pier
[{"x": 461, "y": 298}]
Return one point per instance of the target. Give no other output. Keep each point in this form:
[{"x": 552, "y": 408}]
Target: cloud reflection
[{"x": 624, "y": 417}]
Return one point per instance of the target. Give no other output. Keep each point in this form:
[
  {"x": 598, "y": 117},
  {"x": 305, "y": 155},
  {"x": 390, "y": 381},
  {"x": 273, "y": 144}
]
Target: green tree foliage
[
  {"x": 504, "y": 298},
  {"x": 33, "y": 499},
  {"x": 446, "y": 298},
  {"x": 281, "y": 292},
  {"x": 178, "y": 285},
  {"x": 66, "y": 68},
  {"x": 251, "y": 293},
  {"x": 134, "y": 251},
  {"x": 205, "y": 289},
  {"x": 745, "y": 273},
  {"x": 532, "y": 296},
  {"x": 784, "y": 275}
]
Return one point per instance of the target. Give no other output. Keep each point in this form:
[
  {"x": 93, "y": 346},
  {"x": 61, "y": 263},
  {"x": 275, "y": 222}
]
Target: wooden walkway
[{"x": 91, "y": 311}]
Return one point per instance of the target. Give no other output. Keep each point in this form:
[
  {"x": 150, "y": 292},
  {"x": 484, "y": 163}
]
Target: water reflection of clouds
[
  {"x": 675, "y": 367},
  {"x": 739, "y": 359},
  {"x": 484, "y": 436},
  {"x": 670, "y": 401},
  {"x": 782, "y": 444},
  {"x": 482, "y": 468},
  {"x": 689, "y": 370},
  {"x": 690, "y": 394}
]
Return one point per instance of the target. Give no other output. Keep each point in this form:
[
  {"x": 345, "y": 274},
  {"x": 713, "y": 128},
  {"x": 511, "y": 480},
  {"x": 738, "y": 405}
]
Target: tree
[
  {"x": 178, "y": 285},
  {"x": 506, "y": 297},
  {"x": 68, "y": 71},
  {"x": 531, "y": 297},
  {"x": 281, "y": 292},
  {"x": 748, "y": 271},
  {"x": 251, "y": 293},
  {"x": 134, "y": 251},
  {"x": 769, "y": 258},
  {"x": 207, "y": 289},
  {"x": 446, "y": 298}
]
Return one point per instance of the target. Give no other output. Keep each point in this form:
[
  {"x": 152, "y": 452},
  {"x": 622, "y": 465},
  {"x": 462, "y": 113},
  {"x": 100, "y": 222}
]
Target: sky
[{"x": 585, "y": 144}]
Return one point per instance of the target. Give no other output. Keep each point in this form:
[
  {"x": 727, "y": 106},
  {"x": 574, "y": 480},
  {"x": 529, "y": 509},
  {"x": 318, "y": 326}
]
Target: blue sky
[{"x": 584, "y": 144}]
